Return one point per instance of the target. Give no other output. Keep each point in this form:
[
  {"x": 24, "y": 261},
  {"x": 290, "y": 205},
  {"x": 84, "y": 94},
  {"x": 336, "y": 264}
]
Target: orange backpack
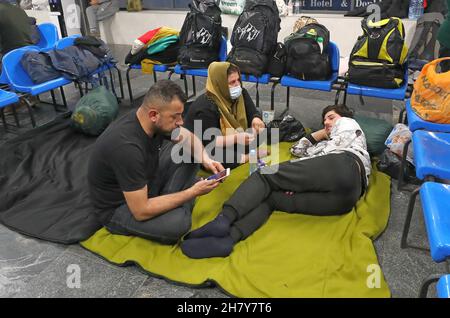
[{"x": 431, "y": 96}]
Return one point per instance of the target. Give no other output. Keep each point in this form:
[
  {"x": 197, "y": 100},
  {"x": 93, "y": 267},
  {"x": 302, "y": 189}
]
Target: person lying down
[{"x": 327, "y": 178}]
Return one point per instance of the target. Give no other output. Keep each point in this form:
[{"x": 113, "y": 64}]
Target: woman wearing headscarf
[{"x": 222, "y": 115}]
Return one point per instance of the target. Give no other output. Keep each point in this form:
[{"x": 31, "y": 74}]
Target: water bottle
[
  {"x": 253, "y": 160},
  {"x": 415, "y": 9},
  {"x": 313, "y": 35},
  {"x": 297, "y": 7},
  {"x": 320, "y": 42},
  {"x": 290, "y": 8}
]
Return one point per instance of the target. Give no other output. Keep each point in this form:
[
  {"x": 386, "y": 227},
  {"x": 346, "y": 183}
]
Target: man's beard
[{"x": 165, "y": 133}]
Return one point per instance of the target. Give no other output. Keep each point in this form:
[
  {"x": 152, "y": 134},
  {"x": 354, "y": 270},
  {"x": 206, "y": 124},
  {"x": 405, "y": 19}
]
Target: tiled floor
[{"x": 33, "y": 268}]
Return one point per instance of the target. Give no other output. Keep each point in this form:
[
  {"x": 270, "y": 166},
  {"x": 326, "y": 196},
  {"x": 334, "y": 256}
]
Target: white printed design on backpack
[
  {"x": 250, "y": 31},
  {"x": 204, "y": 36}
]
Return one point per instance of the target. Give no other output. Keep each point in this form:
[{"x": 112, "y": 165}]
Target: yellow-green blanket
[{"x": 292, "y": 255}]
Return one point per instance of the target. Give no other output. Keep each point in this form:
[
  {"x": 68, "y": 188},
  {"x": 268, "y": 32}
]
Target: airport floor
[{"x": 34, "y": 268}]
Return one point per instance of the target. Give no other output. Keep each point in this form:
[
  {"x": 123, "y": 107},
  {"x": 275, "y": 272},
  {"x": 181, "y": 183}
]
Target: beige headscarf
[{"x": 232, "y": 112}]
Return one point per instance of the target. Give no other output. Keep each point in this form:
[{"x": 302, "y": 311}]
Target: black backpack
[
  {"x": 378, "y": 57},
  {"x": 424, "y": 46},
  {"x": 255, "y": 36},
  {"x": 307, "y": 59},
  {"x": 277, "y": 63},
  {"x": 200, "y": 35}
]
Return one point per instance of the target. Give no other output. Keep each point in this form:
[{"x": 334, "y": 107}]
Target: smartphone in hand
[{"x": 220, "y": 176}]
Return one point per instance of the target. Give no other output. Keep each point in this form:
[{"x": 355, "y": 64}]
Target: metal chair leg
[
  {"x": 30, "y": 111},
  {"x": 403, "y": 167},
  {"x": 63, "y": 97},
  {"x": 78, "y": 84},
  {"x": 119, "y": 75},
  {"x": 53, "y": 99},
  {"x": 194, "y": 90},
  {"x": 423, "y": 291},
  {"x": 129, "y": 85},
  {"x": 186, "y": 88},
  {"x": 272, "y": 95},
  {"x": 288, "y": 92},
  {"x": 257, "y": 94},
  {"x": 401, "y": 118},
  {"x": 16, "y": 119},
  {"x": 155, "y": 79},
  {"x": 409, "y": 214}
]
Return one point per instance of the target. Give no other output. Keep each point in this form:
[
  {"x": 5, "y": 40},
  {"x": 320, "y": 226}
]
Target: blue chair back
[
  {"x": 333, "y": 53},
  {"x": 223, "y": 49},
  {"x": 49, "y": 36},
  {"x": 3, "y": 77},
  {"x": 66, "y": 42},
  {"x": 14, "y": 70}
]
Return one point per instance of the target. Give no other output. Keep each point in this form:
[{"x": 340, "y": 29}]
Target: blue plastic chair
[
  {"x": 21, "y": 82},
  {"x": 201, "y": 72},
  {"x": 385, "y": 93},
  {"x": 443, "y": 287},
  {"x": 70, "y": 40},
  {"x": 49, "y": 36},
  {"x": 3, "y": 79},
  {"x": 8, "y": 99},
  {"x": 66, "y": 42},
  {"x": 417, "y": 123},
  {"x": 263, "y": 79},
  {"x": 161, "y": 68},
  {"x": 326, "y": 85},
  {"x": 431, "y": 153},
  {"x": 435, "y": 198}
]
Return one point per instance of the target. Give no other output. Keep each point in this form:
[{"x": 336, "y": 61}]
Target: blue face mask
[{"x": 235, "y": 92}]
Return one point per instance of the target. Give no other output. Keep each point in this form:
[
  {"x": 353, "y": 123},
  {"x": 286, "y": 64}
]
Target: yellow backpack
[
  {"x": 378, "y": 57},
  {"x": 430, "y": 99}
]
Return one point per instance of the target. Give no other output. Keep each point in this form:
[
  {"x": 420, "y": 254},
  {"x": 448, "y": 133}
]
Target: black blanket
[{"x": 43, "y": 184}]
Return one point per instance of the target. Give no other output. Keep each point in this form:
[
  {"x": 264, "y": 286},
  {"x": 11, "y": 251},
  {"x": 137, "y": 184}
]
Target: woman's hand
[
  {"x": 258, "y": 125},
  {"x": 244, "y": 138}
]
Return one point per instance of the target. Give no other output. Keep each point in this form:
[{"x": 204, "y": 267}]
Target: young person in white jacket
[{"x": 328, "y": 178}]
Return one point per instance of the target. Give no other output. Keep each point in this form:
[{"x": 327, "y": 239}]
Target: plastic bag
[
  {"x": 396, "y": 140},
  {"x": 390, "y": 164},
  {"x": 290, "y": 128},
  {"x": 430, "y": 99}
]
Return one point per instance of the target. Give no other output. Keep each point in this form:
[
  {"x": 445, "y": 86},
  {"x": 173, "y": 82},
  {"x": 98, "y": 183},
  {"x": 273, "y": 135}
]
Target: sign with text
[{"x": 325, "y": 5}]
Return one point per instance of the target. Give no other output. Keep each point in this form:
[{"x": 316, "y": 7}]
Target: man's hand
[
  {"x": 213, "y": 166},
  {"x": 203, "y": 187},
  {"x": 258, "y": 125},
  {"x": 93, "y": 2}
]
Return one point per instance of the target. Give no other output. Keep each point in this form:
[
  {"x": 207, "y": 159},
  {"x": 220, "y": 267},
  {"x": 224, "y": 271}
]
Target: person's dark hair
[
  {"x": 341, "y": 110},
  {"x": 164, "y": 91},
  {"x": 232, "y": 69}
]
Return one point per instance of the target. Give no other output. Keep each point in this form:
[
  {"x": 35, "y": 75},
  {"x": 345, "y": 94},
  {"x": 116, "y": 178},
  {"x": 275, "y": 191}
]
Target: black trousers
[
  {"x": 444, "y": 52},
  {"x": 168, "y": 227},
  {"x": 322, "y": 186}
]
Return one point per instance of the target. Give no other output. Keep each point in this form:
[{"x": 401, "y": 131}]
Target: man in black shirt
[{"x": 134, "y": 181}]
